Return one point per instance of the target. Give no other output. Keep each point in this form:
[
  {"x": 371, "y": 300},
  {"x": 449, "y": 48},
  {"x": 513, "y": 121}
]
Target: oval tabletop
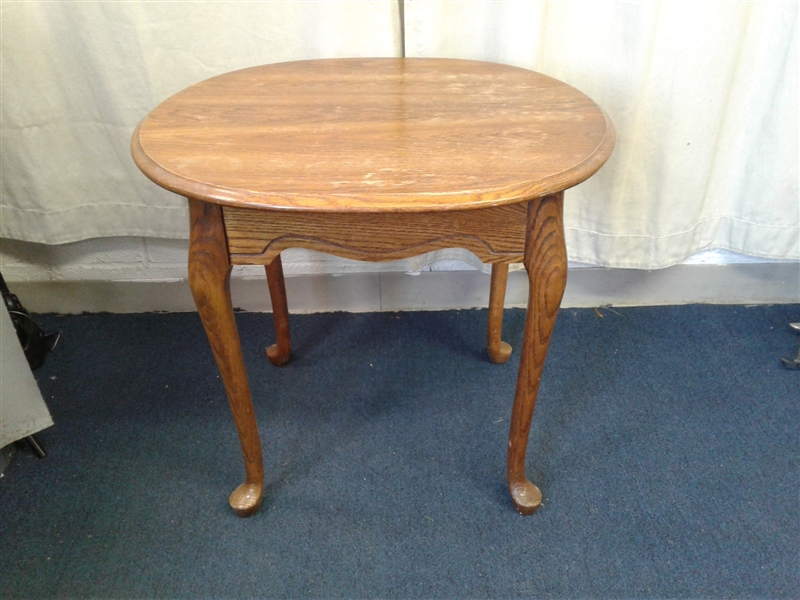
[{"x": 366, "y": 135}]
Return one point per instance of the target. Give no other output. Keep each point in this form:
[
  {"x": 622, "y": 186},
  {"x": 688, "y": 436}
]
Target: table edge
[{"x": 379, "y": 202}]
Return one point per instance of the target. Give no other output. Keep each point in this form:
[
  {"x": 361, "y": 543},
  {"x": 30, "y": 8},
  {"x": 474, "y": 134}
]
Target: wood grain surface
[
  {"x": 495, "y": 234},
  {"x": 375, "y": 159},
  {"x": 372, "y": 135},
  {"x": 279, "y": 352},
  {"x": 498, "y": 350},
  {"x": 209, "y": 279},
  {"x": 546, "y": 264}
]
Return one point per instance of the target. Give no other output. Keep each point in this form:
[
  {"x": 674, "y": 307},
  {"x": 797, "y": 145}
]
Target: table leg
[
  {"x": 279, "y": 352},
  {"x": 546, "y": 263},
  {"x": 209, "y": 279},
  {"x": 499, "y": 351}
]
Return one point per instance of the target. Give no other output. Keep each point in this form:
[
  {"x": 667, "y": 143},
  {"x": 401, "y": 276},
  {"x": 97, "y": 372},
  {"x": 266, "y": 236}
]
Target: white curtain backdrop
[
  {"x": 78, "y": 76},
  {"x": 704, "y": 97}
]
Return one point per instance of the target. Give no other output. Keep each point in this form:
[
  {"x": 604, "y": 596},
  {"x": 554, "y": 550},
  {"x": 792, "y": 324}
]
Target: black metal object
[
  {"x": 36, "y": 341},
  {"x": 34, "y": 445},
  {"x": 793, "y": 363}
]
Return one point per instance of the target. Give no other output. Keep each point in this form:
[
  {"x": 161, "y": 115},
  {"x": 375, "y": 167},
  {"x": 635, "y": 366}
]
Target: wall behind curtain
[
  {"x": 78, "y": 76},
  {"x": 704, "y": 97}
]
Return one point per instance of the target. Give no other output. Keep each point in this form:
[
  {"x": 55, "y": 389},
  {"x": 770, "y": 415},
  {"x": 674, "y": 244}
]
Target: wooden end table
[{"x": 375, "y": 159}]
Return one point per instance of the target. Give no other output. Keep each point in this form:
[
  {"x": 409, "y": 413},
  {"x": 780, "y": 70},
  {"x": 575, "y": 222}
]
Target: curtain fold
[
  {"x": 703, "y": 95},
  {"x": 704, "y": 98},
  {"x": 78, "y": 76}
]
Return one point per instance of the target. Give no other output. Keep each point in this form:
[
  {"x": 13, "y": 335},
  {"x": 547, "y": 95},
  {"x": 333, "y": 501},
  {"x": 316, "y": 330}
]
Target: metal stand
[
  {"x": 36, "y": 342},
  {"x": 36, "y": 447},
  {"x": 793, "y": 363}
]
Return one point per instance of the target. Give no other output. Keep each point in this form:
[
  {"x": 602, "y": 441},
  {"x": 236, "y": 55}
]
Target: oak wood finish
[
  {"x": 209, "y": 279},
  {"x": 546, "y": 264},
  {"x": 494, "y": 234},
  {"x": 375, "y": 159},
  {"x": 279, "y": 352},
  {"x": 373, "y": 135},
  {"x": 498, "y": 350}
]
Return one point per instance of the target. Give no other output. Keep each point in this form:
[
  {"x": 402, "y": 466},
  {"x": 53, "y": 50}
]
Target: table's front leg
[
  {"x": 546, "y": 263},
  {"x": 209, "y": 279}
]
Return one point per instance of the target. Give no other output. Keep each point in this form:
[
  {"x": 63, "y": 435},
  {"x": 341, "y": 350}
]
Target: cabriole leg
[
  {"x": 498, "y": 350},
  {"x": 209, "y": 279},
  {"x": 279, "y": 352},
  {"x": 546, "y": 264}
]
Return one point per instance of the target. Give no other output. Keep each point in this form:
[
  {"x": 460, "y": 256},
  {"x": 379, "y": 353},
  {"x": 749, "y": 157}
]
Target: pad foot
[{"x": 246, "y": 499}]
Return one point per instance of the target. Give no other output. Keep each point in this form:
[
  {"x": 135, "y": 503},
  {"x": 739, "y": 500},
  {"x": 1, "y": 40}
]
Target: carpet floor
[{"x": 665, "y": 442}]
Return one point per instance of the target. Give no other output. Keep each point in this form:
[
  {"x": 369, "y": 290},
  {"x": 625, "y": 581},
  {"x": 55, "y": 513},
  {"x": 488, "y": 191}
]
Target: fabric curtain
[
  {"x": 704, "y": 99},
  {"x": 703, "y": 95},
  {"x": 78, "y": 76}
]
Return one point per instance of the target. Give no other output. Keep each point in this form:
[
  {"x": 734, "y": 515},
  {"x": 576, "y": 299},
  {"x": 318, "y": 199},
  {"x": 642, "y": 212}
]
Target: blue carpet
[{"x": 665, "y": 443}]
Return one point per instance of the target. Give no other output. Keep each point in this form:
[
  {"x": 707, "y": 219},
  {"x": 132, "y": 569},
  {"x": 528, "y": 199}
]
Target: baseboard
[{"x": 758, "y": 283}]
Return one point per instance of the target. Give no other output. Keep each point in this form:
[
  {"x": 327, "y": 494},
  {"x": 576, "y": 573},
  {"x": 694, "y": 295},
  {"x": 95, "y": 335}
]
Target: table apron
[{"x": 495, "y": 234}]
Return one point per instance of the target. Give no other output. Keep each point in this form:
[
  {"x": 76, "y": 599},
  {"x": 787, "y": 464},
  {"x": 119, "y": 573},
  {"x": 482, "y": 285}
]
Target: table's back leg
[
  {"x": 498, "y": 350},
  {"x": 546, "y": 263},
  {"x": 209, "y": 279},
  {"x": 279, "y": 352}
]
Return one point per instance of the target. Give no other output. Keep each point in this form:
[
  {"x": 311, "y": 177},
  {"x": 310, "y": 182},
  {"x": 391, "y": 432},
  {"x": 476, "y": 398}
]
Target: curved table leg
[
  {"x": 546, "y": 263},
  {"x": 498, "y": 350},
  {"x": 209, "y": 279},
  {"x": 279, "y": 352}
]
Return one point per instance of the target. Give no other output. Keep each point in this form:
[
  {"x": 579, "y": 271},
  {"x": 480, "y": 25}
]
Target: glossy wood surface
[
  {"x": 375, "y": 159},
  {"x": 546, "y": 264},
  {"x": 209, "y": 279},
  {"x": 372, "y": 135},
  {"x": 279, "y": 352},
  {"x": 498, "y": 350},
  {"x": 495, "y": 234}
]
